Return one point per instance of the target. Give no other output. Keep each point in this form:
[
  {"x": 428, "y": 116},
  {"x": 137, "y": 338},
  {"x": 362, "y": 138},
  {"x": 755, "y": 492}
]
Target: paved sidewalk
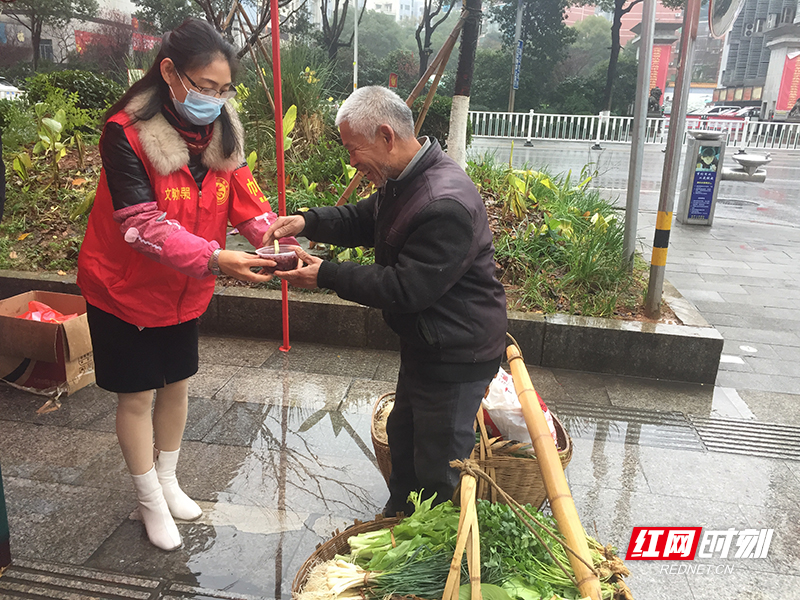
[
  {"x": 278, "y": 447},
  {"x": 742, "y": 273},
  {"x": 278, "y": 454}
]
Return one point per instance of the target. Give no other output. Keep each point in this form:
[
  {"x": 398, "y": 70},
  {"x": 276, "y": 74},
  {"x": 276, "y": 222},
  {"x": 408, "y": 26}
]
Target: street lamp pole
[
  {"x": 355, "y": 45},
  {"x": 669, "y": 177},
  {"x": 516, "y": 58},
  {"x": 639, "y": 128}
]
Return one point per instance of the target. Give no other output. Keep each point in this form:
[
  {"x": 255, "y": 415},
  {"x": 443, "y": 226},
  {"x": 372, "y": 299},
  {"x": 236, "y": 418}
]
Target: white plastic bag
[{"x": 505, "y": 412}]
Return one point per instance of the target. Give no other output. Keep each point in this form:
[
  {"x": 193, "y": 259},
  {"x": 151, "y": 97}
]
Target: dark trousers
[{"x": 430, "y": 425}]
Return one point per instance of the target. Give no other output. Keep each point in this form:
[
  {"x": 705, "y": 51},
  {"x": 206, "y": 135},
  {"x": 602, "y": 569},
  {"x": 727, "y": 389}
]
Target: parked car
[
  {"x": 715, "y": 110},
  {"x": 749, "y": 112},
  {"x": 8, "y": 91}
]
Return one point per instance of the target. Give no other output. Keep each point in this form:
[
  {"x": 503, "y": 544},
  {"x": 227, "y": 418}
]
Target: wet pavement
[
  {"x": 278, "y": 454},
  {"x": 278, "y": 451}
]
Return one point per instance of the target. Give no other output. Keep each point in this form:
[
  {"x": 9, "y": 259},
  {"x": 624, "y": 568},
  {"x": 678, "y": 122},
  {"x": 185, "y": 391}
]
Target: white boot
[
  {"x": 158, "y": 522},
  {"x": 180, "y": 505}
]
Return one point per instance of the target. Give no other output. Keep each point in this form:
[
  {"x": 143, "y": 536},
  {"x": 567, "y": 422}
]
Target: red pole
[{"x": 276, "y": 82}]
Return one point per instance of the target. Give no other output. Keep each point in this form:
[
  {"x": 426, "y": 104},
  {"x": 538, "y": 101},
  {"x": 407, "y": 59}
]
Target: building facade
[{"x": 751, "y": 75}]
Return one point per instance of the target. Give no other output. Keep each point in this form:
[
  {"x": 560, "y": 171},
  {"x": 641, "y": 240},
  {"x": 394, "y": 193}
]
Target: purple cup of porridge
[{"x": 286, "y": 258}]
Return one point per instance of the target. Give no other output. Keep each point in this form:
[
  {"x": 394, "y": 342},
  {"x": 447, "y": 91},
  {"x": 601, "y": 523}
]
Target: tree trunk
[
  {"x": 459, "y": 114},
  {"x": 612, "y": 60},
  {"x": 36, "y": 38}
]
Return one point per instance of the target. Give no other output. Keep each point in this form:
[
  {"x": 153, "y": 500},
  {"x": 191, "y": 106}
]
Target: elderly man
[{"x": 433, "y": 278}]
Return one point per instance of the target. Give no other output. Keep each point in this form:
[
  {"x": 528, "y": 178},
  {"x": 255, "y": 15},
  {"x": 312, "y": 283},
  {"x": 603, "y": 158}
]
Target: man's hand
[
  {"x": 284, "y": 227},
  {"x": 238, "y": 264},
  {"x": 305, "y": 276}
]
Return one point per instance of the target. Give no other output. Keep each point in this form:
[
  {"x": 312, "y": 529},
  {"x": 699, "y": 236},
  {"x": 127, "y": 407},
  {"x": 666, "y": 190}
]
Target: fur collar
[{"x": 168, "y": 152}]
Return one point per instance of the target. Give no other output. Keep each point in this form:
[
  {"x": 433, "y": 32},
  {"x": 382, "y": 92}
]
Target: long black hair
[{"x": 194, "y": 44}]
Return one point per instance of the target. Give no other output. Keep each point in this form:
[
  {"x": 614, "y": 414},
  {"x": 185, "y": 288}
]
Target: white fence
[{"x": 595, "y": 128}]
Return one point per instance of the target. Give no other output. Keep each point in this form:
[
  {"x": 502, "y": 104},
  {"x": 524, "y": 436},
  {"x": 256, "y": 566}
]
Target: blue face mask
[{"x": 197, "y": 108}]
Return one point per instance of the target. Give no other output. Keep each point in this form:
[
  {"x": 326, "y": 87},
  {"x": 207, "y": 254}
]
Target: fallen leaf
[
  {"x": 51, "y": 405},
  {"x": 78, "y": 181},
  {"x": 22, "y": 236},
  {"x": 12, "y": 254}
]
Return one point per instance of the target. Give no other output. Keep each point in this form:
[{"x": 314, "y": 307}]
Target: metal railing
[{"x": 599, "y": 128}]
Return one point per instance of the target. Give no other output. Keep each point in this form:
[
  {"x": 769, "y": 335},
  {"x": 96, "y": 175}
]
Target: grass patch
[{"x": 558, "y": 243}]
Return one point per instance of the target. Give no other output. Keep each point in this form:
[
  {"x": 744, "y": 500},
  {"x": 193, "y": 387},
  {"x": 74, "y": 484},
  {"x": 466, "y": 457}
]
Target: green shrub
[
  {"x": 323, "y": 164},
  {"x": 17, "y": 123},
  {"x": 93, "y": 91},
  {"x": 437, "y": 119}
]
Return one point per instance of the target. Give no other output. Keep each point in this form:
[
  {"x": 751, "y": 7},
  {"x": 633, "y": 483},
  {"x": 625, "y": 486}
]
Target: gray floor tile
[
  {"x": 388, "y": 367},
  {"x": 61, "y": 523},
  {"x": 660, "y": 395},
  {"x": 742, "y": 584},
  {"x": 777, "y": 336},
  {"x": 204, "y": 413},
  {"x": 50, "y": 454},
  {"x": 236, "y": 351},
  {"x": 325, "y": 360},
  {"x": 583, "y": 387},
  {"x": 292, "y": 388},
  {"x": 210, "y": 378},
  {"x": 754, "y": 381},
  {"x": 784, "y": 553},
  {"x": 343, "y": 484},
  {"x": 88, "y": 408},
  {"x": 699, "y": 294},
  {"x": 600, "y": 463},
  {"x": 362, "y": 395},
  {"x": 218, "y": 558},
  {"x": 648, "y": 582},
  {"x": 774, "y": 367},
  {"x": 744, "y": 479},
  {"x": 613, "y": 513}
]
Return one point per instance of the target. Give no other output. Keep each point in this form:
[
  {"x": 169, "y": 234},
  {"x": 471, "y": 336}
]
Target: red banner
[
  {"x": 392, "y": 80},
  {"x": 139, "y": 41},
  {"x": 142, "y": 42},
  {"x": 790, "y": 83},
  {"x": 662, "y": 53}
]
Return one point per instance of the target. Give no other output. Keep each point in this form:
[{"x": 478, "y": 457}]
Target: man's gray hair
[{"x": 367, "y": 108}]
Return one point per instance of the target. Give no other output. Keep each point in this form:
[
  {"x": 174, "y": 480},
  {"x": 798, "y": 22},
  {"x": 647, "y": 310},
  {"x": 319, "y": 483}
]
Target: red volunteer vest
[{"x": 117, "y": 279}]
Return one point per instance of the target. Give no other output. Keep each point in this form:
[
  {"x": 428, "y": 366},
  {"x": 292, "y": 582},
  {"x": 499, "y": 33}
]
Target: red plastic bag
[{"x": 39, "y": 311}]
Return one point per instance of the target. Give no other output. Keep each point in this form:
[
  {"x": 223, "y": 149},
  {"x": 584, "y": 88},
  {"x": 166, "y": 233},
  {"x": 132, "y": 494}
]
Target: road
[{"x": 776, "y": 201}]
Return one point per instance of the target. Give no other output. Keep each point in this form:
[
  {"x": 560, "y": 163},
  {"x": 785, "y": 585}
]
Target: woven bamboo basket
[
  {"x": 337, "y": 545},
  {"x": 519, "y": 476}
]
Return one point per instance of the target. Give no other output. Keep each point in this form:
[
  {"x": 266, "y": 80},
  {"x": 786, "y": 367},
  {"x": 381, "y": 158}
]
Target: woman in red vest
[{"x": 173, "y": 176}]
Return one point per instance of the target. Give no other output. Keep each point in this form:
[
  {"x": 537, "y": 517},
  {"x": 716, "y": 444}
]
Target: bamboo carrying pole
[
  {"x": 440, "y": 60},
  {"x": 468, "y": 540},
  {"x": 555, "y": 483}
]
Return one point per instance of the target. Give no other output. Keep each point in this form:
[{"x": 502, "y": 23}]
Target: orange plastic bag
[{"x": 39, "y": 311}]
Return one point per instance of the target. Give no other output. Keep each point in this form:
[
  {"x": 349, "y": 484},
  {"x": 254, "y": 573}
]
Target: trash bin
[
  {"x": 702, "y": 172},
  {"x": 5, "y": 548}
]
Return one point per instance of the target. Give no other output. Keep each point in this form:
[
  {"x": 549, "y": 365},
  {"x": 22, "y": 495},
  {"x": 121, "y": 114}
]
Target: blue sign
[
  {"x": 705, "y": 178},
  {"x": 517, "y": 63}
]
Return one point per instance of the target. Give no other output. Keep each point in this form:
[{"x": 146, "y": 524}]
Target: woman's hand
[{"x": 238, "y": 264}]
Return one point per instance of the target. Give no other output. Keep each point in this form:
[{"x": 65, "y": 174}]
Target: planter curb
[{"x": 689, "y": 352}]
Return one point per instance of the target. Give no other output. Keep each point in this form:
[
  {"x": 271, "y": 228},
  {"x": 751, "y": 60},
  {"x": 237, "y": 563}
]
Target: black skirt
[{"x": 128, "y": 360}]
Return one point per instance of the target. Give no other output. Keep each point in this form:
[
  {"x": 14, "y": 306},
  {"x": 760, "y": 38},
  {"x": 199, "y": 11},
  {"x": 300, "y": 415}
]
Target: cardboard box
[{"x": 45, "y": 358}]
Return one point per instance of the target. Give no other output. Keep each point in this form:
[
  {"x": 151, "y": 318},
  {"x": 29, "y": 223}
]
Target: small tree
[
  {"x": 158, "y": 16},
  {"x": 619, "y": 8},
  {"x": 334, "y": 19},
  {"x": 426, "y": 27},
  {"x": 35, "y": 14}
]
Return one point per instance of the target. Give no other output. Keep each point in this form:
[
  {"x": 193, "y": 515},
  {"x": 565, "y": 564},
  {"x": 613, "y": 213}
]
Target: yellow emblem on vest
[{"x": 223, "y": 189}]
